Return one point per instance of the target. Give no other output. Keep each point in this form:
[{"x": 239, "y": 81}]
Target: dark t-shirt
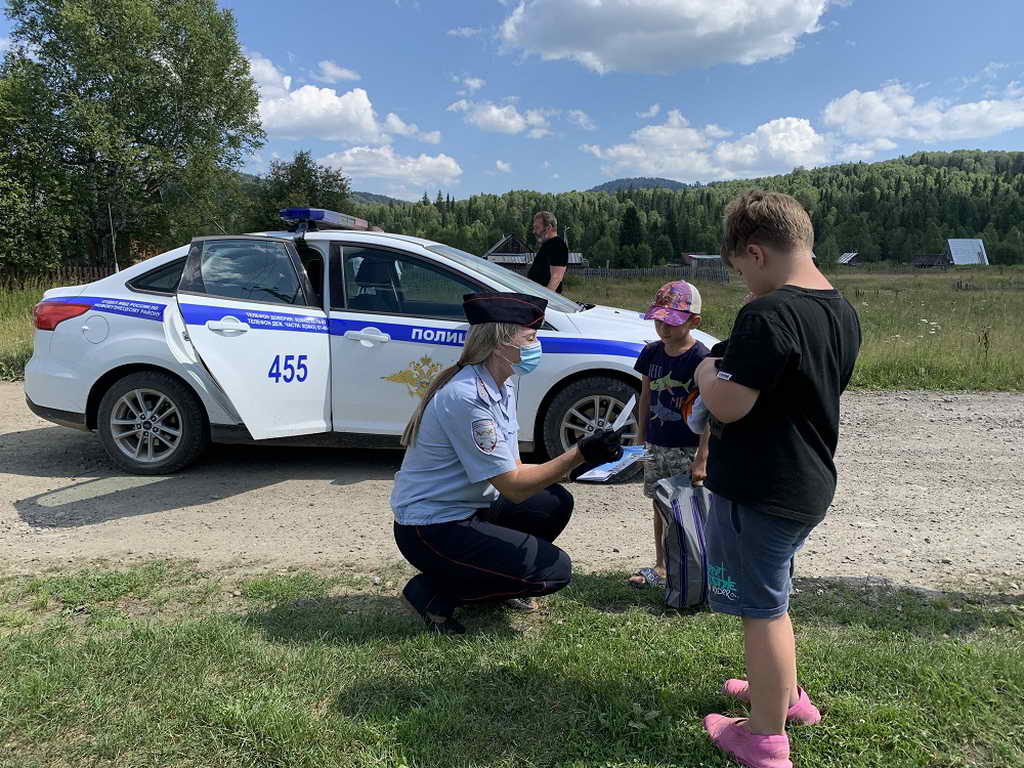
[
  {"x": 552, "y": 253},
  {"x": 671, "y": 382},
  {"x": 797, "y": 347}
]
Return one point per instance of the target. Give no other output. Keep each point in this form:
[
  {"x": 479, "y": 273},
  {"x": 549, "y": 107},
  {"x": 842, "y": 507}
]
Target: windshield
[{"x": 509, "y": 279}]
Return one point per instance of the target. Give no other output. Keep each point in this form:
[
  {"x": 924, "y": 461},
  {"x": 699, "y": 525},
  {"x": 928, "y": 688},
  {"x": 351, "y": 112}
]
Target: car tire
[
  {"x": 158, "y": 451},
  {"x": 606, "y": 389}
]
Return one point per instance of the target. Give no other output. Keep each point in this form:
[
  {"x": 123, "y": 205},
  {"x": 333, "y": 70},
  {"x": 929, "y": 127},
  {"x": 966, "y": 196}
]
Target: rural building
[
  {"x": 930, "y": 260},
  {"x": 510, "y": 251},
  {"x": 851, "y": 259},
  {"x": 965, "y": 252}
]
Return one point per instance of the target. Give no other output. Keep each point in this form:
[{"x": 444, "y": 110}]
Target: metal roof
[
  {"x": 967, "y": 251},
  {"x": 846, "y": 258}
]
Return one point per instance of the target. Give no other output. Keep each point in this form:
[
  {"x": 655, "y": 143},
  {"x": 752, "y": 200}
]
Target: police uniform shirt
[{"x": 468, "y": 434}]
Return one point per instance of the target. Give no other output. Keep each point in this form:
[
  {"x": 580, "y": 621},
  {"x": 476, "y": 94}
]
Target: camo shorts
[{"x": 665, "y": 463}]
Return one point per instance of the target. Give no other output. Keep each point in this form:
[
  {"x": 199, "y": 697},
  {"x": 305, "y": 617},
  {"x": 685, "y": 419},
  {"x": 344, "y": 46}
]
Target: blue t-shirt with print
[{"x": 671, "y": 383}]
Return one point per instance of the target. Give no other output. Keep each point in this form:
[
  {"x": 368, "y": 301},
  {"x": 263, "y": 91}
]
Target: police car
[{"x": 325, "y": 333}]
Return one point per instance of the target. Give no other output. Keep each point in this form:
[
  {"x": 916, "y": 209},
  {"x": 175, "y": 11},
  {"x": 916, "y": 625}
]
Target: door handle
[
  {"x": 369, "y": 334},
  {"x": 228, "y": 323}
]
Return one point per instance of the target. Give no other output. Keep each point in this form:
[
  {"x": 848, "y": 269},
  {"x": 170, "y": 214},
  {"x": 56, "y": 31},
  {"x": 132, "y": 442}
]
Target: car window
[
  {"x": 510, "y": 280},
  {"x": 160, "y": 280},
  {"x": 249, "y": 270},
  {"x": 385, "y": 281}
]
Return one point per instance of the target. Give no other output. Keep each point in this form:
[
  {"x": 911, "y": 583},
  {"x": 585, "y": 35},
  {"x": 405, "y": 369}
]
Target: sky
[{"x": 472, "y": 96}]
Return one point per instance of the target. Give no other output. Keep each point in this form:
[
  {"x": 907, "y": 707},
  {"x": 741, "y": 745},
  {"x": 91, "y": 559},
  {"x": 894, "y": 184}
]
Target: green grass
[
  {"x": 954, "y": 330},
  {"x": 16, "y": 328},
  {"x": 339, "y": 676}
]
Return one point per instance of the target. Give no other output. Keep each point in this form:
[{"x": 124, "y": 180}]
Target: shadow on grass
[{"x": 350, "y": 618}]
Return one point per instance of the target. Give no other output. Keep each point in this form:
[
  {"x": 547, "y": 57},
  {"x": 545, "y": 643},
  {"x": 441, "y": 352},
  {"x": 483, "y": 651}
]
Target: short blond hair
[
  {"x": 548, "y": 218},
  {"x": 765, "y": 218}
]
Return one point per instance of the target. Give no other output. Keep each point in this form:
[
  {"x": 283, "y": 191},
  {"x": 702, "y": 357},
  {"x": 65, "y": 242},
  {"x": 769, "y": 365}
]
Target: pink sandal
[
  {"x": 801, "y": 713},
  {"x": 753, "y": 750}
]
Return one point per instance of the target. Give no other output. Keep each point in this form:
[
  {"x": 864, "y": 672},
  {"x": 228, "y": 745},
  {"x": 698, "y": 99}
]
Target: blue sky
[{"x": 471, "y": 96}]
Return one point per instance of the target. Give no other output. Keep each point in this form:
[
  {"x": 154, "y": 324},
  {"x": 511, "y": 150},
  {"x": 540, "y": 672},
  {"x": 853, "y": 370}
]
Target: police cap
[{"x": 515, "y": 308}]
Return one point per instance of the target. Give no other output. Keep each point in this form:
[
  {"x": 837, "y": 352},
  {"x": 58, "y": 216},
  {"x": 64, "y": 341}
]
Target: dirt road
[{"x": 931, "y": 495}]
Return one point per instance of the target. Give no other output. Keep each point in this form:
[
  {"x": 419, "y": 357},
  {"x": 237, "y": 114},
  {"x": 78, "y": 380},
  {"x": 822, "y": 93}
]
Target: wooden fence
[
  {"x": 709, "y": 272},
  {"x": 54, "y": 278}
]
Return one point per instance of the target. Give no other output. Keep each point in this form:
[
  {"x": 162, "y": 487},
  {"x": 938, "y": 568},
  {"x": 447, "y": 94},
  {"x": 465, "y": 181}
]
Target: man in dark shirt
[
  {"x": 774, "y": 403},
  {"x": 552, "y": 259}
]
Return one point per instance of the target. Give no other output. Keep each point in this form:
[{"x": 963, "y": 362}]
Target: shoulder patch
[{"x": 485, "y": 435}]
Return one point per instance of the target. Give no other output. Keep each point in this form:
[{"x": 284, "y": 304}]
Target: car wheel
[
  {"x": 584, "y": 407},
  {"x": 150, "y": 423}
]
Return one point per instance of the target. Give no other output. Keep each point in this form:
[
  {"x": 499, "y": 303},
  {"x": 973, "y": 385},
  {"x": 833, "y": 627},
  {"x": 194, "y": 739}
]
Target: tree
[
  {"x": 603, "y": 253},
  {"x": 300, "y": 183},
  {"x": 632, "y": 232},
  {"x": 139, "y": 91},
  {"x": 644, "y": 255},
  {"x": 664, "y": 252}
]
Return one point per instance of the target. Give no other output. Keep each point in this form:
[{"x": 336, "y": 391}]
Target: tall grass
[
  {"x": 16, "y": 327},
  {"x": 953, "y": 330}
]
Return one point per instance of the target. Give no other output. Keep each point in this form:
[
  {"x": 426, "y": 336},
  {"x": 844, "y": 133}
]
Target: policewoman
[{"x": 469, "y": 515}]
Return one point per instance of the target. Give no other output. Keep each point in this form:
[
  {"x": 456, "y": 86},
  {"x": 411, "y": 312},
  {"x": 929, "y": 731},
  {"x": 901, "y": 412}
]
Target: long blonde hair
[{"x": 481, "y": 341}]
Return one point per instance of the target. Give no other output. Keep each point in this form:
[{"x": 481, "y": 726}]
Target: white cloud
[
  {"x": 715, "y": 131},
  {"x": 464, "y": 32},
  {"x": 330, "y": 72},
  {"x": 459, "y": 106},
  {"x": 270, "y": 81},
  {"x": 582, "y": 119},
  {"x": 660, "y": 36},
  {"x": 893, "y": 112},
  {"x": 502, "y": 166},
  {"x": 394, "y": 124},
  {"x": 780, "y": 144},
  {"x": 324, "y": 113},
  {"x": 677, "y": 149},
  {"x": 321, "y": 112},
  {"x": 495, "y": 119},
  {"x": 384, "y": 163},
  {"x": 546, "y": 164},
  {"x": 650, "y": 113},
  {"x": 470, "y": 85},
  {"x": 865, "y": 150}
]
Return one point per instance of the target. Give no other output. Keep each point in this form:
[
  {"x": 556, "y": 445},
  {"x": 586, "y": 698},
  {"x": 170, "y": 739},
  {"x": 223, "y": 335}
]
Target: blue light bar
[{"x": 321, "y": 216}]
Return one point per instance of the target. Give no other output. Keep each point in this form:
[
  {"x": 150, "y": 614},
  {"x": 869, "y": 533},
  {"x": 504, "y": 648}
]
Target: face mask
[{"x": 529, "y": 359}]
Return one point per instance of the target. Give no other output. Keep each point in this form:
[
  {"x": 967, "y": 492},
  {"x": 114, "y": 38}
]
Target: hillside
[
  {"x": 369, "y": 198},
  {"x": 640, "y": 182},
  {"x": 892, "y": 210}
]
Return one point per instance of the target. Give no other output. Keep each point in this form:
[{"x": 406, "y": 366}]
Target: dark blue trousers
[{"x": 501, "y": 552}]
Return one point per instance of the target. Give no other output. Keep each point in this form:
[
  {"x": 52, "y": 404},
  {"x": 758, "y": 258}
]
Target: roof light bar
[{"x": 321, "y": 218}]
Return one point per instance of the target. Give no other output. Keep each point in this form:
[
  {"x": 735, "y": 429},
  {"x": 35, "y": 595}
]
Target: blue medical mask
[{"x": 529, "y": 359}]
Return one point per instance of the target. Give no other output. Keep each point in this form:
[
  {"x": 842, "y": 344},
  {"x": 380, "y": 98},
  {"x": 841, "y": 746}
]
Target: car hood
[{"x": 615, "y": 323}]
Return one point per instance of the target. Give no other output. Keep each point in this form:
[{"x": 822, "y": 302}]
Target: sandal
[{"x": 651, "y": 578}]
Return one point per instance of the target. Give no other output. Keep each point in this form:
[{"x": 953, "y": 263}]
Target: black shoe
[{"x": 440, "y": 625}]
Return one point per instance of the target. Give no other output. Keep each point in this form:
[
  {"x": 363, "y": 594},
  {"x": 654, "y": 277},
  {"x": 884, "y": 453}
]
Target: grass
[
  {"x": 16, "y": 328},
  {"x": 161, "y": 665},
  {"x": 954, "y": 330}
]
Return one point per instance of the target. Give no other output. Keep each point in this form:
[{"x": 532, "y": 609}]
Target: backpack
[{"x": 684, "y": 510}]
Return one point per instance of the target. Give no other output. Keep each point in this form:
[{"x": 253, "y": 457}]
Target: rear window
[{"x": 160, "y": 280}]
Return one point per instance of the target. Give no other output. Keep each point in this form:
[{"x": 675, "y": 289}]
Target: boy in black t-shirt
[
  {"x": 774, "y": 404},
  {"x": 668, "y": 366}
]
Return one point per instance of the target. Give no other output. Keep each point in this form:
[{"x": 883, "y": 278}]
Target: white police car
[{"x": 327, "y": 330}]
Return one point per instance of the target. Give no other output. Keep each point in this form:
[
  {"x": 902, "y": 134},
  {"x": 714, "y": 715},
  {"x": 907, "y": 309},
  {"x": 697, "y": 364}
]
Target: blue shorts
[{"x": 750, "y": 555}]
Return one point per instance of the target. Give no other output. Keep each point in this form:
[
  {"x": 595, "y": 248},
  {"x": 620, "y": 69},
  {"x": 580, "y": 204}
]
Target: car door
[
  {"x": 396, "y": 322},
  {"x": 250, "y": 314}
]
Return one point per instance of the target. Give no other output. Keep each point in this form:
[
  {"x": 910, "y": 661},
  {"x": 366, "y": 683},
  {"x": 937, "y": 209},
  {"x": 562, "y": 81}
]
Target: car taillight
[{"x": 49, "y": 314}]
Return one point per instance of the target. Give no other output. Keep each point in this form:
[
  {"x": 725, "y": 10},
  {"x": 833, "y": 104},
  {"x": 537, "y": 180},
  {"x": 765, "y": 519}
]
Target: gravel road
[{"x": 931, "y": 495}]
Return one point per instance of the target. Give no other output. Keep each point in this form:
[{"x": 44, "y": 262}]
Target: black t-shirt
[
  {"x": 671, "y": 383},
  {"x": 797, "y": 347},
  {"x": 553, "y": 253}
]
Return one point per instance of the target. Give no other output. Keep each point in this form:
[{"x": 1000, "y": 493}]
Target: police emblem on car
[{"x": 485, "y": 435}]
